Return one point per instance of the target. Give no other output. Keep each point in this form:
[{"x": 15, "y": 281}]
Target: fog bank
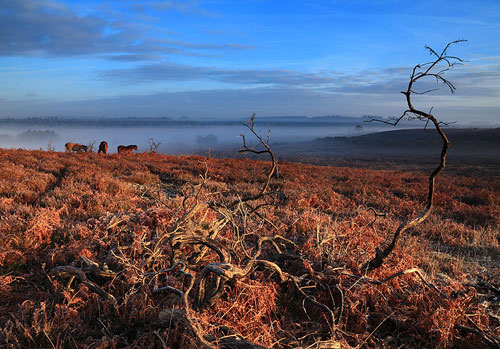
[{"x": 174, "y": 139}]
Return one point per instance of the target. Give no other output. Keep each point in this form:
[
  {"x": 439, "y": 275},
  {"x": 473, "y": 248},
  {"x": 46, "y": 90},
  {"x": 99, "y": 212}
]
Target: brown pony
[
  {"x": 69, "y": 147},
  {"x": 126, "y": 149},
  {"x": 103, "y": 147}
]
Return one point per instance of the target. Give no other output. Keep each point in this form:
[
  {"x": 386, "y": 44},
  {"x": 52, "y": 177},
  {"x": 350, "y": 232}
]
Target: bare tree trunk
[{"x": 421, "y": 71}]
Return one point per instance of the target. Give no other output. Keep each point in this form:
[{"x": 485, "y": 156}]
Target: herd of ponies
[{"x": 103, "y": 148}]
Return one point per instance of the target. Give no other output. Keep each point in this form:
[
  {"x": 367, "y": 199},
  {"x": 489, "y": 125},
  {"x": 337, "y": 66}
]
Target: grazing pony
[
  {"x": 103, "y": 147},
  {"x": 126, "y": 149},
  {"x": 69, "y": 147}
]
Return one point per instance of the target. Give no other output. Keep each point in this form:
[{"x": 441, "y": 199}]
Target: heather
[{"x": 99, "y": 250}]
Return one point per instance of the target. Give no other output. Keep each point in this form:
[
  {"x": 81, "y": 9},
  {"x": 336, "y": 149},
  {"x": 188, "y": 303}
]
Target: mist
[{"x": 178, "y": 139}]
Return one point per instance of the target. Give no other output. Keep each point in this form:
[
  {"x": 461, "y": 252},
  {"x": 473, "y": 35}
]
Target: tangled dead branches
[{"x": 190, "y": 241}]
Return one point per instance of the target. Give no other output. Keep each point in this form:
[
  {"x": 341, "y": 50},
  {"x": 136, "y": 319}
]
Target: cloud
[
  {"x": 37, "y": 28},
  {"x": 29, "y": 27},
  {"x": 222, "y": 103},
  {"x": 186, "y": 7},
  {"x": 177, "y": 72},
  {"x": 131, "y": 57},
  {"x": 470, "y": 80},
  {"x": 241, "y": 103},
  {"x": 229, "y": 46},
  {"x": 192, "y": 7}
]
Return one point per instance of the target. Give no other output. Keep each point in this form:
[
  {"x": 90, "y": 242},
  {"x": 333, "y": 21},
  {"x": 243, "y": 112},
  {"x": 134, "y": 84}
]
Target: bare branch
[
  {"x": 68, "y": 270},
  {"x": 492, "y": 342},
  {"x": 153, "y": 145},
  {"x": 424, "y": 92},
  {"x": 431, "y": 51},
  {"x": 267, "y": 149},
  {"x": 382, "y": 253}
]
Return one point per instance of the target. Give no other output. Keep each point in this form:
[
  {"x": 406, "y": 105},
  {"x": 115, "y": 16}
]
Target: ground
[{"x": 94, "y": 252}]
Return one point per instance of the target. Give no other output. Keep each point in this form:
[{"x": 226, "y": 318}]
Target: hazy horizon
[{"x": 176, "y": 138}]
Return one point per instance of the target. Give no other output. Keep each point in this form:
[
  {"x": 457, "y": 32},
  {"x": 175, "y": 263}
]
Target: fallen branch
[
  {"x": 68, "y": 271},
  {"x": 492, "y": 342},
  {"x": 403, "y": 272}
]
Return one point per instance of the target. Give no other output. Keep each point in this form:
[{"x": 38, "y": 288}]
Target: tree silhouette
[{"x": 434, "y": 69}]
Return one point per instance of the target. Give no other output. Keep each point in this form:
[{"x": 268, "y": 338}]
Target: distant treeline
[
  {"x": 165, "y": 121},
  {"x": 31, "y": 136},
  {"x": 37, "y": 135}
]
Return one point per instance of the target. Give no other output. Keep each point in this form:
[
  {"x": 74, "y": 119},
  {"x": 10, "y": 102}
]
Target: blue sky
[{"x": 228, "y": 59}]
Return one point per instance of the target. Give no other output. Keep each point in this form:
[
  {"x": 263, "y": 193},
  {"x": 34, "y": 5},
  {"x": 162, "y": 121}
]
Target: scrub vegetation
[{"x": 116, "y": 223}]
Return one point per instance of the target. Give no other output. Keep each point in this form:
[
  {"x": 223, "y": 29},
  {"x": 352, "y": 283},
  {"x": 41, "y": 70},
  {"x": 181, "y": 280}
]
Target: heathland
[{"x": 150, "y": 250}]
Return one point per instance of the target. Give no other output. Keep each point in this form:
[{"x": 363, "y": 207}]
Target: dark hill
[
  {"x": 483, "y": 143},
  {"x": 414, "y": 149},
  {"x": 483, "y": 140}
]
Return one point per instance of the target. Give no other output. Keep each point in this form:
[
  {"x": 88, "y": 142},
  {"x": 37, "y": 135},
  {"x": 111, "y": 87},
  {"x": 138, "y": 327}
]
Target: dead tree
[
  {"x": 153, "y": 145},
  {"x": 267, "y": 150},
  {"x": 434, "y": 69},
  {"x": 91, "y": 146}
]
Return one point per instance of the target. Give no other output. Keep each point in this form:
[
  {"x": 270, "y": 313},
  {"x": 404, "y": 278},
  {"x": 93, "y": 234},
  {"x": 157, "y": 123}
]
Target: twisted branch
[
  {"x": 267, "y": 149},
  {"x": 417, "y": 74}
]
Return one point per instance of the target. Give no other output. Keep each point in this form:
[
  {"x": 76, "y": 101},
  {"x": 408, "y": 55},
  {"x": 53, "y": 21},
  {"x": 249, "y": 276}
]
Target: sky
[{"x": 229, "y": 59}]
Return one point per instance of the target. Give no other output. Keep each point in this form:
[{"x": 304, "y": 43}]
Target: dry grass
[{"x": 59, "y": 209}]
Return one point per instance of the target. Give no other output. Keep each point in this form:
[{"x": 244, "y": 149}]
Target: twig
[{"x": 376, "y": 328}]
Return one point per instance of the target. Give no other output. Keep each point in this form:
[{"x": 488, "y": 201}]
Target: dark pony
[
  {"x": 69, "y": 147},
  {"x": 127, "y": 149},
  {"x": 103, "y": 147}
]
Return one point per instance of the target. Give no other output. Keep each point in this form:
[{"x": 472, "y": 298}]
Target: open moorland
[
  {"x": 149, "y": 250},
  {"x": 473, "y": 150}
]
